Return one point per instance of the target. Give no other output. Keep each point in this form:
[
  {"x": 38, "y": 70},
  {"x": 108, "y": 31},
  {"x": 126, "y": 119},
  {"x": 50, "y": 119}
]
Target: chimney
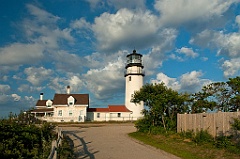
[
  {"x": 68, "y": 89},
  {"x": 41, "y": 96}
]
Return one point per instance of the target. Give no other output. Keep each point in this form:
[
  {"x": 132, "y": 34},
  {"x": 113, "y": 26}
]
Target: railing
[{"x": 55, "y": 145}]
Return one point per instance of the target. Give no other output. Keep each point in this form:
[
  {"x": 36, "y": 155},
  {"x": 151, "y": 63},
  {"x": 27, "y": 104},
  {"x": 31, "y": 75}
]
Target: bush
[
  {"x": 222, "y": 142},
  {"x": 143, "y": 125},
  {"x": 157, "y": 130},
  {"x": 202, "y": 137}
]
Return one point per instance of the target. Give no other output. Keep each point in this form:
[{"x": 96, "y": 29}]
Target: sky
[{"x": 46, "y": 45}]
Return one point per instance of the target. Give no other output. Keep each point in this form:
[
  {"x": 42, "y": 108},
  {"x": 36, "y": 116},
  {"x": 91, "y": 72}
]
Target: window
[
  {"x": 130, "y": 78},
  {"x": 70, "y": 112},
  {"x": 70, "y": 101},
  {"x": 60, "y": 113},
  {"x": 119, "y": 115},
  {"x": 98, "y": 115}
]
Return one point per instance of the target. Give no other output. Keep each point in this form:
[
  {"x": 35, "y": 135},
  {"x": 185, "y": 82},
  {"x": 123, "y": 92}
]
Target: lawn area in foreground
[{"x": 185, "y": 149}]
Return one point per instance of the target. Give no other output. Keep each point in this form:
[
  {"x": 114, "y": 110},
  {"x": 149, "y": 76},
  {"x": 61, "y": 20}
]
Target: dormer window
[
  {"x": 49, "y": 103},
  {"x": 70, "y": 101}
]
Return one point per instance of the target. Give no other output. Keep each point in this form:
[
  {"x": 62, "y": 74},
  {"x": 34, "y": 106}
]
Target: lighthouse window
[{"x": 130, "y": 78}]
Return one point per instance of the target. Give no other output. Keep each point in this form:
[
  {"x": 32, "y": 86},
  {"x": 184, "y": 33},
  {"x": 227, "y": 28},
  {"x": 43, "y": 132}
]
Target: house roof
[
  {"x": 42, "y": 110},
  {"x": 118, "y": 108},
  {"x": 80, "y": 99},
  {"x": 111, "y": 108},
  {"x": 41, "y": 103},
  {"x": 98, "y": 110}
]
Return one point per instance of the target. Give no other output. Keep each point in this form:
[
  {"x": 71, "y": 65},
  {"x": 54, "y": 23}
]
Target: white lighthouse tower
[{"x": 134, "y": 81}]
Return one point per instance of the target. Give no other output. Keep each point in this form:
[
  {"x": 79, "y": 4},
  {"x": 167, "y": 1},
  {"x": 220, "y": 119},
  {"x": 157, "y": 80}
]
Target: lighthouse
[{"x": 134, "y": 81}]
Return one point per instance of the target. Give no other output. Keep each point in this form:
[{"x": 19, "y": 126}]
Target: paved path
[{"x": 111, "y": 142}]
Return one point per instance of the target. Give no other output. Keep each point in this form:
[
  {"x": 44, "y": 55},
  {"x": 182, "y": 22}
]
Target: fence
[
  {"x": 215, "y": 123},
  {"x": 56, "y": 144}
]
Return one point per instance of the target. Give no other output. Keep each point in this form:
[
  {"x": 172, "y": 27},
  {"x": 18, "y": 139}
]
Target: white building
[
  {"x": 134, "y": 81},
  {"x": 63, "y": 108},
  {"x": 111, "y": 113}
]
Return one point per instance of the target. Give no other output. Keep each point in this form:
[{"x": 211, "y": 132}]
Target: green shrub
[
  {"x": 222, "y": 142},
  {"x": 143, "y": 125},
  {"x": 202, "y": 137},
  {"x": 157, "y": 130}
]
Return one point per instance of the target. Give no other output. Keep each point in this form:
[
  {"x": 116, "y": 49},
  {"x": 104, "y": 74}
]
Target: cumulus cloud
[
  {"x": 125, "y": 28},
  {"x": 117, "y": 4},
  {"x": 231, "y": 67},
  {"x": 238, "y": 20},
  {"x": 18, "y": 53},
  {"x": 41, "y": 35},
  {"x": 67, "y": 62},
  {"x": 16, "y": 97},
  {"x": 190, "y": 82},
  {"x": 80, "y": 24},
  {"x": 176, "y": 12},
  {"x": 187, "y": 52},
  {"x": 154, "y": 58},
  {"x": 4, "y": 88},
  {"x": 226, "y": 43},
  {"x": 110, "y": 79},
  {"x": 37, "y": 75},
  {"x": 28, "y": 88},
  {"x": 127, "y": 4}
]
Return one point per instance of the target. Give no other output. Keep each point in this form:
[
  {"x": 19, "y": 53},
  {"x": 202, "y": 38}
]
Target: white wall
[
  {"x": 70, "y": 113},
  {"x": 106, "y": 116},
  {"x": 133, "y": 85}
]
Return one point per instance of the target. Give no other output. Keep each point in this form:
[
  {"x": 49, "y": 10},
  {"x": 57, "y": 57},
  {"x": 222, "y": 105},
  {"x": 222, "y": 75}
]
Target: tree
[
  {"x": 234, "y": 84},
  {"x": 162, "y": 105}
]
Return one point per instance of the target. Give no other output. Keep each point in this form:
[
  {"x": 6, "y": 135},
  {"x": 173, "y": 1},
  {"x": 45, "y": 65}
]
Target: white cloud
[
  {"x": 226, "y": 44},
  {"x": 127, "y": 4},
  {"x": 190, "y": 82},
  {"x": 17, "y": 54},
  {"x": 16, "y": 97},
  {"x": 28, "y": 88},
  {"x": 4, "y": 88},
  {"x": 157, "y": 55},
  {"x": 41, "y": 14},
  {"x": 117, "y": 4},
  {"x": 204, "y": 58},
  {"x": 107, "y": 81},
  {"x": 238, "y": 20},
  {"x": 176, "y": 12},
  {"x": 80, "y": 24},
  {"x": 125, "y": 28},
  {"x": 187, "y": 52},
  {"x": 75, "y": 82},
  {"x": 231, "y": 67},
  {"x": 67, "y": 62},
  {"x": 37, "y": 75},
  {"x": 170, "y": 82}
]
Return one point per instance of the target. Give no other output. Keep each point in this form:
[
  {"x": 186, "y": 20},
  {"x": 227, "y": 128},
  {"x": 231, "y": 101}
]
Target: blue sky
[{"x": 47, "y": 45}]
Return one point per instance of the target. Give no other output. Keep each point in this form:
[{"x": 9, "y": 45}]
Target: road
[{"x": 110, "y": 142}]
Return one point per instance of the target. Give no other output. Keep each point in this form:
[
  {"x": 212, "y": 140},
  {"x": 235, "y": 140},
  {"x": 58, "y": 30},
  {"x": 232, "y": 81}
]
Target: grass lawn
[{"x": 185, "y": 149}]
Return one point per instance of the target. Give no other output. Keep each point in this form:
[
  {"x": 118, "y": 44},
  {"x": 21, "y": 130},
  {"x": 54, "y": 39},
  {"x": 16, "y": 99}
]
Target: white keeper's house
[{"x": 75, "y": 107}]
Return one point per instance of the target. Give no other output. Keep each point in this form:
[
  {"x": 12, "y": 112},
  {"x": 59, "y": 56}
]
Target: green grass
[{"x": 185, "y": 149}]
